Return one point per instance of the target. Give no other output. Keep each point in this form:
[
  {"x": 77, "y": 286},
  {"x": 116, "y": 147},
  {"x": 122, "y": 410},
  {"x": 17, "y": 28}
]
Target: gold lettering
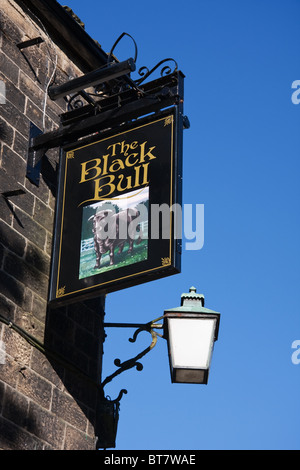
[
  {"x": 113, "y": 148},
  {"x": 109, "y": 175},
  {"x": 129, "y": 186},
  {"x": 127, "y": 161},
  {"x": 116, "y": 165},
  {"x": 125, "y": 148},
  {"x": 145, "y": 179},
  {"x": 99, "y": 188},
  {"x": 105, "y": 159},
  {"x": 85, "y": 171},
  {"x": 148, "y": 154}
]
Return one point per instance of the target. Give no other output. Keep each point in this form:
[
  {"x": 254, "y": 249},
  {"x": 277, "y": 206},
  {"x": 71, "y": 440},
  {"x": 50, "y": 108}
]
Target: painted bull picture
[{"x": 113, "y": 230}]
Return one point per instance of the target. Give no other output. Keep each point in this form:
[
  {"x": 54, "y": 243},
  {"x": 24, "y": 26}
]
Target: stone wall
[{"x": 48, "y": 387}]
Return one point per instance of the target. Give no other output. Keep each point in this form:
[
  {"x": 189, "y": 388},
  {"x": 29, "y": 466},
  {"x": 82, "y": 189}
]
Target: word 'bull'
[{"x": 111, "y": 230}]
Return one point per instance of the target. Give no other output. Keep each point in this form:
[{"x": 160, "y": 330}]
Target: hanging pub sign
[{"x": 115, "y": 223}]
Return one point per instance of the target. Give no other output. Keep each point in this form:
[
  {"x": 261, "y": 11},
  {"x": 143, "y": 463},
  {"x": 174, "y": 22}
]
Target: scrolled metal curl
[
  {"x": 75, "y": 102},
  {"x": 144, "y": 72}
]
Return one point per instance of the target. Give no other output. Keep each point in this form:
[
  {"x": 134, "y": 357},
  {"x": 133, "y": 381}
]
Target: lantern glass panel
[{"x": 191, "y": 342}]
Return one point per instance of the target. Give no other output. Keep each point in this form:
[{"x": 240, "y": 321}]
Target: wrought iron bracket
[
  {"x": 133, "y": 362},
  {"x": 108, "y": 410},
  {"x": 158, "y": 94}
]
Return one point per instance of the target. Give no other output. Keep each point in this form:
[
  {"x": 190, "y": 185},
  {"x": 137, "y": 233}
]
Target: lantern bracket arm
[{"x": 133, "y": 362}]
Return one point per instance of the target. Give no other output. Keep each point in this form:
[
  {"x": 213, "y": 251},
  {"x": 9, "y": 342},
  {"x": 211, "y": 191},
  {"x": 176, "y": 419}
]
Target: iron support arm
[{"x": 130, "y": 363}]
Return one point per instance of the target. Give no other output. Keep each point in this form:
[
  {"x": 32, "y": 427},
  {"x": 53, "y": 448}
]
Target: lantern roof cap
[
  {"x": 191, "y": 302},
  {"x": 192, "y": 295}
]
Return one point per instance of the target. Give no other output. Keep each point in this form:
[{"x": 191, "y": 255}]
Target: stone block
[
  {"x": 13, "y": 164},
  {"x": 15, "y": 118},
  {"x": 35, "y": 387},
  {"x": 14, "y": 95},
  {"x": 39, "y": 308},
  {"x": 43, "y": 215},
  {"x": 37, "y": 258},
  {"x": 7, "y": 308},
  {"x": 32, "y": 90},
  {"x": 8, "y": 68},
  {"x": 76, "y": 440},
  {"x": 52, "y": 371},
  {"x": 42, "y": 191},
  {"x": 11, "y": 288},
  {"x": 9, "y": 28},
  {"x": 17, "y": 348},
  {"x": 9, "y": 371},
  {"x": 24, "y": 201},
  {"x": 26, "y": 274},
  {"x": 30, "y": 229},
  {"x": 6, "y": 133},
  {"x": 20, "y": 145},
  {"x": 13, "y": 437},
  {"x": 15, "y": 407},
  {"x": 63, "y": 405},
  {"x": 11, "y": 239},
  {"x": 46, "y": 426}
]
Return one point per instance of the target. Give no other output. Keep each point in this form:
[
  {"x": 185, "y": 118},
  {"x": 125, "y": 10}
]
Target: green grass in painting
[{"x": 88, "y": 259}]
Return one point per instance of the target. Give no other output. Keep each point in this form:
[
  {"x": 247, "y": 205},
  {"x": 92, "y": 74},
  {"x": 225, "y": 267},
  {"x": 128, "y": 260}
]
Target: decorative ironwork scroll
[
  {"x": 144, "y": 72},
  {"x": 133, "y": 362},
  {"x": 117, "y": 86}
]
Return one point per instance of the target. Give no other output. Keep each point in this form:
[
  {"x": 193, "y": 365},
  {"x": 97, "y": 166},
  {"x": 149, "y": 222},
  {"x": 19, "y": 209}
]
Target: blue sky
[{"x": 241, "y": 160}]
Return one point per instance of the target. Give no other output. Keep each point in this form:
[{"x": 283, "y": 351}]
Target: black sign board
[{"x": 114, "y": 214}]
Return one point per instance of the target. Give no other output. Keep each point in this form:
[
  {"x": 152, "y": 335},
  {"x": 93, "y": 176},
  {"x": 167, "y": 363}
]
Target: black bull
[{"x": 111, "y": 230}]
